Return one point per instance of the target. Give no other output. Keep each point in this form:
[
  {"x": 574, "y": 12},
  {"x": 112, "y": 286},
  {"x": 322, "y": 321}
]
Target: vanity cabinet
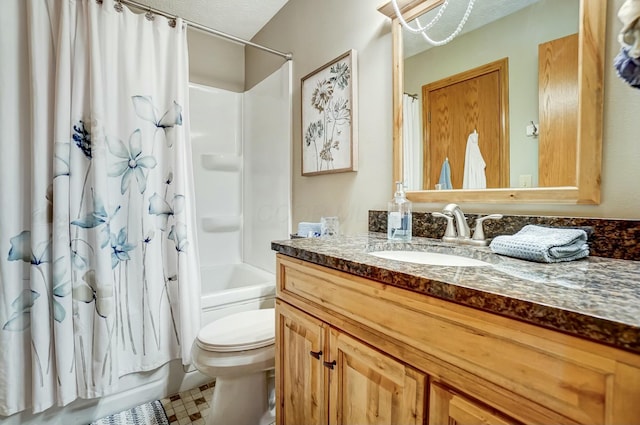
[
  {"x": 446, "y": 406},
  {"x": 326, "y": 376},
  {"x": 300, "y": 383},
  {"x": 398, "y": 356}
]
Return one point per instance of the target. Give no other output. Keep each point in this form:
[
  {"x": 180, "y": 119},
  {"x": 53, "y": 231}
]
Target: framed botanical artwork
[{"x": 329, "y": 118}]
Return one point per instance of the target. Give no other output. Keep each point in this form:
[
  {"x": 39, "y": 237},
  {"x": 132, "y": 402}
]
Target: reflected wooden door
[
  {"x": 456, "y": 106},
  {"x": 558, "y": 104}
]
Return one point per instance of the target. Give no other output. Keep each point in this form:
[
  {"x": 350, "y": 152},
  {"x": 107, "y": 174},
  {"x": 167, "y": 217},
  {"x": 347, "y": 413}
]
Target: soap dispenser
[{"x": 399, "y": 216}]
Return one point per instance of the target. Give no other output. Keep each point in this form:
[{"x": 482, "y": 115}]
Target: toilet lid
[{"x": 247, "y": 330}]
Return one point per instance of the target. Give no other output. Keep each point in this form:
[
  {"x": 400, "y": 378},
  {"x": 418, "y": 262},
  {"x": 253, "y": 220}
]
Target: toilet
[{"x": 238, "y": 350}]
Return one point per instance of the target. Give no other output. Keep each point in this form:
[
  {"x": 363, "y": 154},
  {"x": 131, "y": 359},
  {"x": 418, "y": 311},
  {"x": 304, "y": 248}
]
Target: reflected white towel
[{"x": 474, "y": 177}]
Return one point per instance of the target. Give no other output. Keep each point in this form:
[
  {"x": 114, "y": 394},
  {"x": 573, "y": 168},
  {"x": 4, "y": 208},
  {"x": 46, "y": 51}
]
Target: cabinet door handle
[
  {"x": 330, "y": 365},
  {"x": 316, "y": 354}
]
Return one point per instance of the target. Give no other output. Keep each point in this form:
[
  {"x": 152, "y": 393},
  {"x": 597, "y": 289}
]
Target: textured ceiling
[
  {"x": 241, "y": 18},
  {"x": 244, "y": 18},
  {"x": 483, "y": 12}
]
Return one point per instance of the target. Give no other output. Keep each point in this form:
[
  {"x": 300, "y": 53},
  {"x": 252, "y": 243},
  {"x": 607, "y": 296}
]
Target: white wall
[
  {"x": 316, "y": 32},
  {"x": 214, "y": 61}
]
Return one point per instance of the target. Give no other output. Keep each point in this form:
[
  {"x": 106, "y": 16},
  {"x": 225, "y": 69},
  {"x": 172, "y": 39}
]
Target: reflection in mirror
[
  {"x": 514, "y": 34},
  {"x": 531, "y": 159}
]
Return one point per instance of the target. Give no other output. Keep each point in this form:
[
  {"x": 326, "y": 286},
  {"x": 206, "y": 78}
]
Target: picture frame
[{"x": 329, "y": 117}]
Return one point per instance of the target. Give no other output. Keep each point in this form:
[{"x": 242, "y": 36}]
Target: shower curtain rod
[{"x": 287, "y": 56}]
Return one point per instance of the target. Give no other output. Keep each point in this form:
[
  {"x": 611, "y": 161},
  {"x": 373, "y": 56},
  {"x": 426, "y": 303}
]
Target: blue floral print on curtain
[
  {"x": 127, "y": 163},
  {"x": 91, "y": 286},
  {"x": 147, "y": 111}
]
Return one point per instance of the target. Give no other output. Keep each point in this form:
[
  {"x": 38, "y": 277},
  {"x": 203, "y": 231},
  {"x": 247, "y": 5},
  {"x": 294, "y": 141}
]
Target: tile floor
[{"x": 189, "y": 407}]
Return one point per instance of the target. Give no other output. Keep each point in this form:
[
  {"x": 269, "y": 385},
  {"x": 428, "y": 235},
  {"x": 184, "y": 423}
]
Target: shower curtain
[{"x": 98, "y": 259}]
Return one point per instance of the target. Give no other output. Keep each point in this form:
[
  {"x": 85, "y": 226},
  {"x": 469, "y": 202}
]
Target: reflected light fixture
[{"x": 422, "y": 29}]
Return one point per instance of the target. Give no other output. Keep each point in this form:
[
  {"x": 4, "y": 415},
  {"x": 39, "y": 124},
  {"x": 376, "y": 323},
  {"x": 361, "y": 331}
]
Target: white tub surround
[{"x": 242, "y": 168}]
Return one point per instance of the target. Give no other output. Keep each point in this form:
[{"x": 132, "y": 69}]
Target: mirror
[{"x": 584, "y": 185}]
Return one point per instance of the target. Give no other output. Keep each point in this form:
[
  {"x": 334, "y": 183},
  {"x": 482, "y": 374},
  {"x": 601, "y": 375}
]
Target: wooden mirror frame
[{"x": 591, "y": 59}]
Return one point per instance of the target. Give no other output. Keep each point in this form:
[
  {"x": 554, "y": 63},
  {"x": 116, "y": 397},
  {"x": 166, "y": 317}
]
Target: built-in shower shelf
[
  {"x": 221, "y": 162},
  {"x": 222, "y": 223}
]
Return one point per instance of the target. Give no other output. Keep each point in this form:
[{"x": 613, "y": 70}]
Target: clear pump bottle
[{"x": 399, "y": 216}]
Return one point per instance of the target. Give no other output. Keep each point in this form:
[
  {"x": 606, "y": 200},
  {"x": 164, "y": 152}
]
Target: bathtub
[{"x": 231, "y": 288}]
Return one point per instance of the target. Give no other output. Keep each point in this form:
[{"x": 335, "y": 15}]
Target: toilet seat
[{"x": 248, "y": 330}]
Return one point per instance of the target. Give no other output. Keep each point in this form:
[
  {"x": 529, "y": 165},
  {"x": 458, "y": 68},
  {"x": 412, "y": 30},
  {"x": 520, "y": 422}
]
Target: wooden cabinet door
[
  {"x": 368, "y": 387},
  {"x": 300, "y": 377},
  {"x": 449, "y": 408}
]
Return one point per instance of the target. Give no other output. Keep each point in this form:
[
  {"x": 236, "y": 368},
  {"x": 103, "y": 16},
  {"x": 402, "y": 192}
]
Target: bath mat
[{"x": 151, "y": 413}]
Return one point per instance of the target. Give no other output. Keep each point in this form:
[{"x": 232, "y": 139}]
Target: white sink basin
[{"x": 430, "y": 258}]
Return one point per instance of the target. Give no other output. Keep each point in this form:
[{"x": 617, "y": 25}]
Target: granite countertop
[{"x": 594, "y": 298}]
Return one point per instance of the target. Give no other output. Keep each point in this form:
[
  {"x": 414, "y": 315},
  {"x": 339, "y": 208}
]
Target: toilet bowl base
[{"x": 239, "y": 400}]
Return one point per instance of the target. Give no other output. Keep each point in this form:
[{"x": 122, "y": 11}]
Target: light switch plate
[{"x": 525, "y": 180}]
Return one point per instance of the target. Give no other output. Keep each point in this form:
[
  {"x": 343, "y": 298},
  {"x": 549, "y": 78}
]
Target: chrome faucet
[
  {"x": 460, "y": 220},
  {"x": 458, "y": 230},
  {"x": 457, "y": 227}
]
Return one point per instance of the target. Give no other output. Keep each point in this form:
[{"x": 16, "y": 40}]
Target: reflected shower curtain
[
  {"x": 411, "y": 143},
  {"x": 98, "y": 258}
]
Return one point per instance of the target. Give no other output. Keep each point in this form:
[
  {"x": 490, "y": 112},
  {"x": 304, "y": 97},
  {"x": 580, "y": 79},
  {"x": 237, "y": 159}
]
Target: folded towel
[
  {"x": 309, "y": 230},
  {"x": 445, "y": 176},
  {"x": 543, "y": 244}
]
